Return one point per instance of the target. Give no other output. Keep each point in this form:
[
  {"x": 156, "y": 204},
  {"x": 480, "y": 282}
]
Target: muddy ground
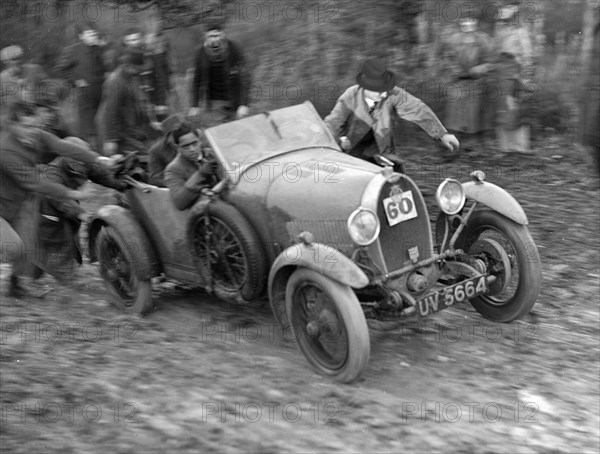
[{"x": 199, "y": 375}]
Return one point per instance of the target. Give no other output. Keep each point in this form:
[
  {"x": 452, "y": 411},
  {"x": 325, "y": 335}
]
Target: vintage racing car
[{"x": 330, "y": 238}]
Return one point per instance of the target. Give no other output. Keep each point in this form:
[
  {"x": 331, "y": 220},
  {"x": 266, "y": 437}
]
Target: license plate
[
  {"x": 400, "y": 208},
  {"x": 454, "y": 294}
]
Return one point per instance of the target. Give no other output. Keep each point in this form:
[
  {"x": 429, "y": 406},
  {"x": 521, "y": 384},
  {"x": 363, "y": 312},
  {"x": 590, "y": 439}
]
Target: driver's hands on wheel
[
  {"x": 196, "y": 182},
  {"x": 207, "y": 192}
]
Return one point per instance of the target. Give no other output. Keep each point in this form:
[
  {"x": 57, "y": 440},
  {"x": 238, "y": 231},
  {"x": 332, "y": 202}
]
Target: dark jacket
[
  {"x": 122, "y": 114},
  {"x": 58, "y": 236},
  {"x": 161, "y": 154},
  {"x": 20, "y": 177},
  {"x": 177, "y": 174},
  {"x": 80, "y": 61},
  {"x": 238, "y": 79}
]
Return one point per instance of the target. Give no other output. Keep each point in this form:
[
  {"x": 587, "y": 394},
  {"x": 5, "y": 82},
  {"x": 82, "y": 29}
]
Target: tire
[
  {"x": 117, "y": 268},
  {"x": 240, "y": 278},
  {"x": 520, "y": 292},
  {"x": 336, "y": 340}
]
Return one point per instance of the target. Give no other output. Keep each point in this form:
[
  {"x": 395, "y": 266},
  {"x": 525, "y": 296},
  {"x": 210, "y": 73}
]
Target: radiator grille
[
  {"x": 332, "y": 233},
  {"x": 399, "y": 240}
]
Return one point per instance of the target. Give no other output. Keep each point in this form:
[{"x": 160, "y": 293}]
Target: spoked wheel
[
  {"x": 510, "y": 254},
  {"x": 117, "y": 268},
  {"x": 328, "y": 323},
  {"x": 227, "y": 252}
]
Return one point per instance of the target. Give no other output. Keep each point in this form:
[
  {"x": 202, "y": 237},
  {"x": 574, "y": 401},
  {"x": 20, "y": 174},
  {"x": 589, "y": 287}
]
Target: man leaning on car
[
  {"x": 361, "y": 120},
  {"x": 191, "y": 171}
]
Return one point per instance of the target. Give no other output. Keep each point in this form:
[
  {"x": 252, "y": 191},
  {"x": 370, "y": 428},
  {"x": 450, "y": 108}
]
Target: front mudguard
[
  {"x": 122, "y": 220},
  {"x": 497, "y": 199},
  {"x": 317, "y": 257}
]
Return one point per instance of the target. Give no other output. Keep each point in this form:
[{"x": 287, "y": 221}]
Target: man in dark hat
[
  {"x": 220, "y": 79},
  {"x": 362, "y": 117},
  {"x": 125, "y": 119}
]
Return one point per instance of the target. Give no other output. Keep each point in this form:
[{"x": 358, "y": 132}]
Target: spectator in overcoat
[{"x": 467, "y": 108}]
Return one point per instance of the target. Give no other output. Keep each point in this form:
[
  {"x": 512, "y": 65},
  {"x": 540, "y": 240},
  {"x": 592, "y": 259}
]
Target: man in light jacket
[{"x": 362, "y": 117}]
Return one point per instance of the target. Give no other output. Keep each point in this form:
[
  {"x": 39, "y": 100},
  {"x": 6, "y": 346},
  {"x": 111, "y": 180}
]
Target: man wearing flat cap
[
  {"x": 362, "y": 117},
  {"x": 221, "y": 79}
]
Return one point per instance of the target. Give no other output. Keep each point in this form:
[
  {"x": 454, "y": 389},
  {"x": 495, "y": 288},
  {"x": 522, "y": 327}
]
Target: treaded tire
[
  {"x": 526, "y": 282},
  {"x": 328, "y": 324},
  {"x": 118, "y": 269}
]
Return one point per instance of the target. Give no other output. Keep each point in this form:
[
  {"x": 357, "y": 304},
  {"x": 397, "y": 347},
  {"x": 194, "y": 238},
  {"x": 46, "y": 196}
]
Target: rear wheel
[
  {"x": 511, "y": 255},
  {"x": 118, "y": 269},
  {"x": 328, "y": 323}
]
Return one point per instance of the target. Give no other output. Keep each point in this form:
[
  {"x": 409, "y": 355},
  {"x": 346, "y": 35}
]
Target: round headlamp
[
  {"x": 363, "y": 226},
  {"x": 450, "y": 196}
]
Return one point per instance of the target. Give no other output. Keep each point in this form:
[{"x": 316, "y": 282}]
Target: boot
[{"x": 15, "y": 290}]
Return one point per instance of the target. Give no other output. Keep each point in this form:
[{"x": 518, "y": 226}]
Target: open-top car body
[{"x": 330, "y": 238}]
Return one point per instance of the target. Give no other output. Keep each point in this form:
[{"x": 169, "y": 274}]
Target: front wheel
[
  {"x": 328, "y": 323},
  {"x": 117, "y": 268},
  {"x": 227, "y": 252},
  {"x": 517, "y": 266}
]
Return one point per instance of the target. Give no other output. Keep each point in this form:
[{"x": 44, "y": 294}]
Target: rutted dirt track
[{"x": 199, "y": 375}]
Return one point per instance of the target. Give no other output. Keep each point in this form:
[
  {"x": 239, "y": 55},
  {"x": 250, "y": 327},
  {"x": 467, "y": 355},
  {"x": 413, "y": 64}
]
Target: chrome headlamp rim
[
  {"x": 352, "y": 218},
  {"x": 438, "y": 195}
]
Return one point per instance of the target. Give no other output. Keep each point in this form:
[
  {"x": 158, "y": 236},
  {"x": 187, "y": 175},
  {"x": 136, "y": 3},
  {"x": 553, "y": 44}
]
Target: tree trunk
[{"x": 590, "y": 20}]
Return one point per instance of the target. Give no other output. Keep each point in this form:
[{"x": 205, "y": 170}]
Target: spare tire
[{"x": 227, "y": 251}]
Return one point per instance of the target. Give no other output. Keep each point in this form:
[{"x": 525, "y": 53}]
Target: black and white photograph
[{"x": 299, "y": 226}]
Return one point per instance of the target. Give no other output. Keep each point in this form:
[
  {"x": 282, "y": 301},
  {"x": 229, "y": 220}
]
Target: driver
[
  {"x": 362, "y": 117},
  {"x": 192, "y": 170}
]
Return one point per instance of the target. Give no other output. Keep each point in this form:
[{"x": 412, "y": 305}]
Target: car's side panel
[
  {"x": 166, "y": 226},
  {"x": 309, "y": 190}
]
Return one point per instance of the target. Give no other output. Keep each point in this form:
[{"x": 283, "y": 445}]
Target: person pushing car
[{"x": 361, "y": 120}]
